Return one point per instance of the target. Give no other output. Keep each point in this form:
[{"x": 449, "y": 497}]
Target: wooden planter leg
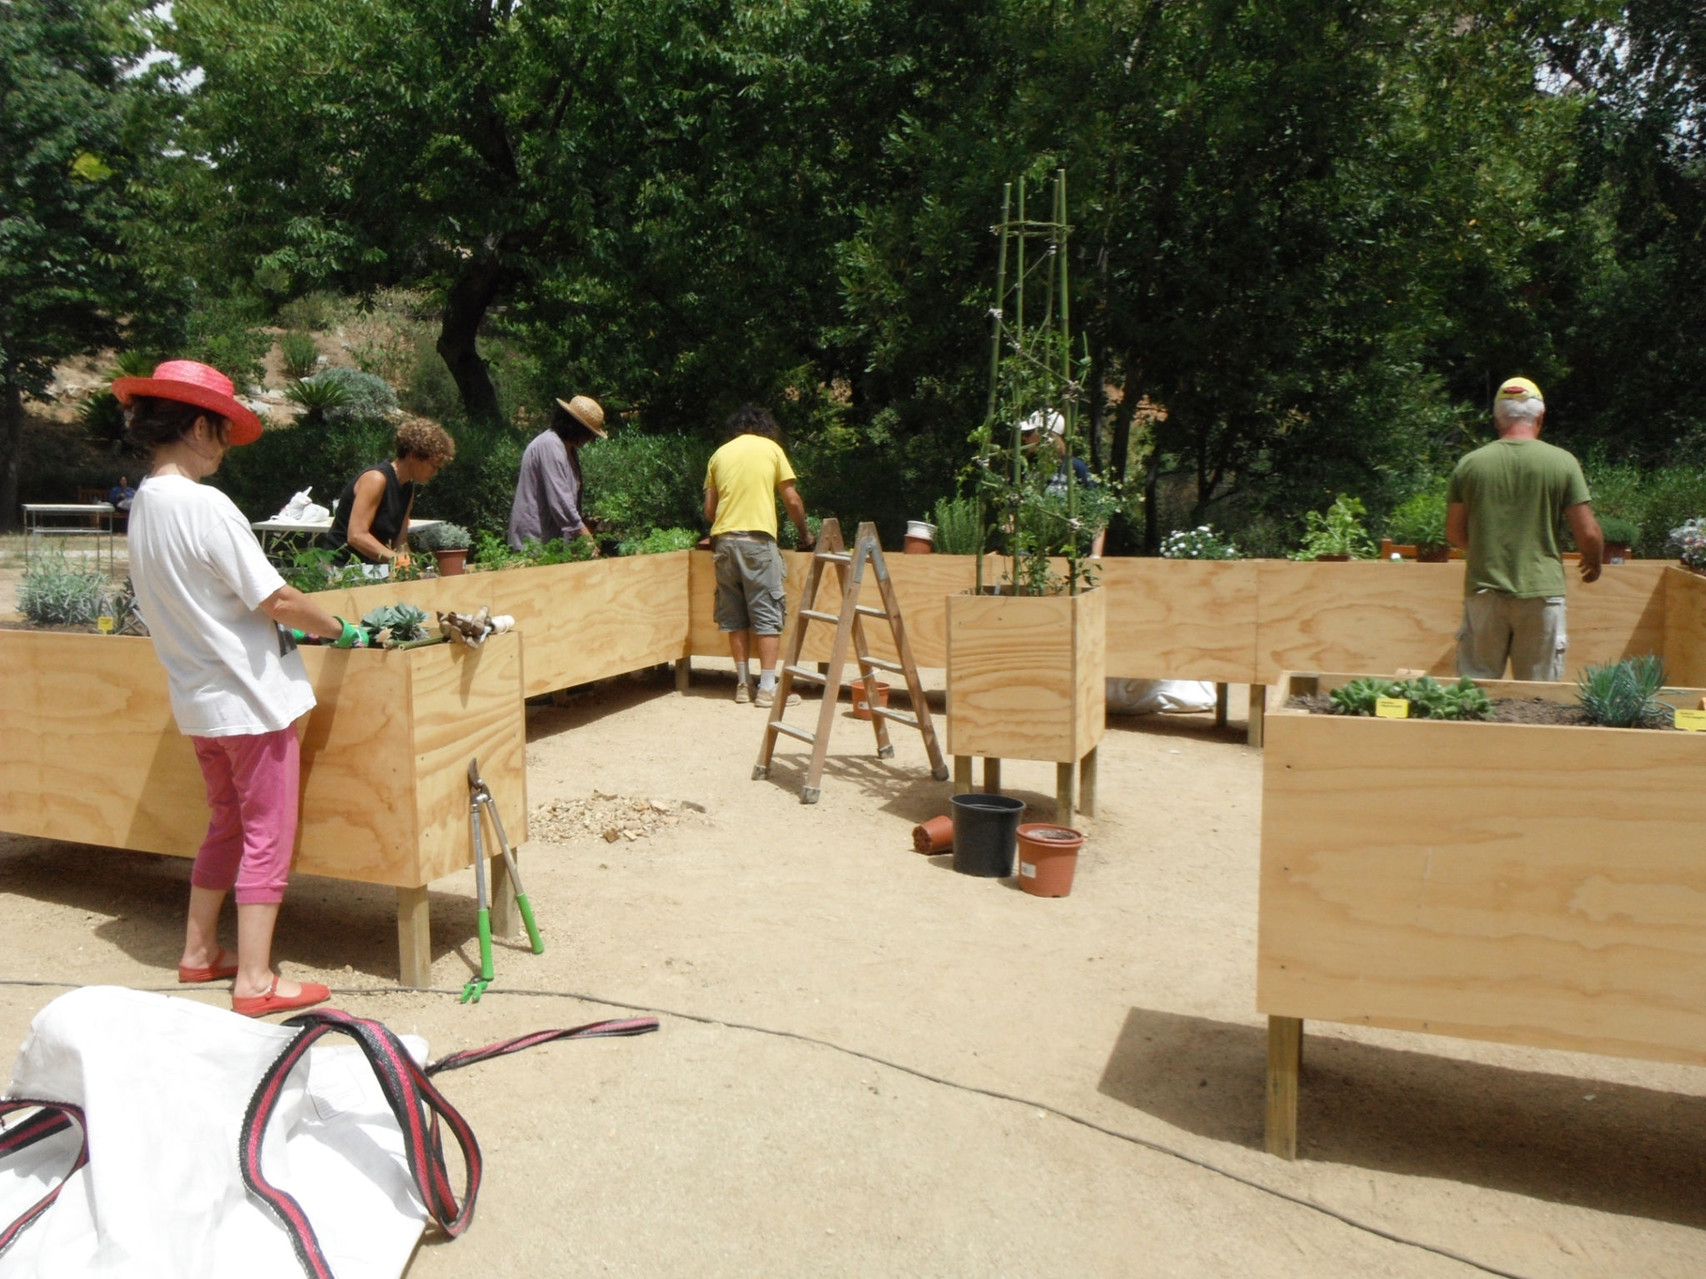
[
  {"x": 962, "y": 774},
  {"x": 1064, "y": 777},
  {"x": 1285, "y": 1059},
  {"x": 414, "y": 938},
  {"x": 1258, "y": 712},
  {"x": 1220, "y": 692},
  {"x": 1087, "y": 783},
  {"x": 991, "y": 775},
  {"x": 683, "y": 674}
]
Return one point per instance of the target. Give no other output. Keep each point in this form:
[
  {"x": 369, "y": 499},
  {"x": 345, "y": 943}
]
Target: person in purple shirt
[{"x": 547, "y": 501}]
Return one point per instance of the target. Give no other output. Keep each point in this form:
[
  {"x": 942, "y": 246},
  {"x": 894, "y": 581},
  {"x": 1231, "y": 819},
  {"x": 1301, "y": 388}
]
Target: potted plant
[
  {"x": 1337, "y": 533},
  {"x": 1026, "y": 656},
  {"x": 449, "y": 545},
  {"x": 1620, "y": 538},
  {"x": 1420, "y": 521}
]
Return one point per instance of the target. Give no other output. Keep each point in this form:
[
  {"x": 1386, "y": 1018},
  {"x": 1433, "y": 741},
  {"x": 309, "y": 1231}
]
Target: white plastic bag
[
  {"x": 163, "y": 1085},
  {"x": 1148, "y": 696}
]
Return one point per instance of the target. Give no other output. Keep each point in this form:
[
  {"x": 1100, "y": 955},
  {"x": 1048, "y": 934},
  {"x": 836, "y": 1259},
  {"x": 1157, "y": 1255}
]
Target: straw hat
[
  {"x": 190, "y": 383},
  {"x": 587, "y": 411}
]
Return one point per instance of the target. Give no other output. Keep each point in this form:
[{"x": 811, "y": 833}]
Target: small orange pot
[
  {"x": 862, "y": 704},
  {"x": 451, "y": 563},
  {"x": 933, "y": 836},
  {"x": 1048, "y": 856}
]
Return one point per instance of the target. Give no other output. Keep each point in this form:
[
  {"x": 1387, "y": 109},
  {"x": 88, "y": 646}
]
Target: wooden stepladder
[{"x": 849, "y": 625}]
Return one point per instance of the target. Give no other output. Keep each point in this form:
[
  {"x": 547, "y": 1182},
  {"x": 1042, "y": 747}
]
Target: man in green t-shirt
[{"x": 1502, "y": 508}]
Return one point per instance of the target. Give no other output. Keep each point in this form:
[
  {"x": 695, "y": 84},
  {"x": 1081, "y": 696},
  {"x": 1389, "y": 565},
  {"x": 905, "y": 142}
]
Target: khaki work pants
[{"x": 1529, "y": 632}]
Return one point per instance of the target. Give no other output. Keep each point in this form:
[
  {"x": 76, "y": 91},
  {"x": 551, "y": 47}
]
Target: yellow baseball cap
[{"x": 1519, "y": 388}]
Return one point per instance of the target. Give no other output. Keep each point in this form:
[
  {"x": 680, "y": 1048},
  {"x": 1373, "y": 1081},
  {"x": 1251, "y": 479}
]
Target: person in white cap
[
  {"x": 547, "y": 503},
  {"x": 1049, "y": 423},
  {"x": 1502, "y": 508}
]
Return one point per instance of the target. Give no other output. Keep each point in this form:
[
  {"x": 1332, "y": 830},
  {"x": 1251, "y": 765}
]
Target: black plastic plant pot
[{"x": 986, "y": 834}]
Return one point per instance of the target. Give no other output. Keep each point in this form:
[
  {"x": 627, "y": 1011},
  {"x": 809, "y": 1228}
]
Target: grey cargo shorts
[{"x": 749, "y": 586}]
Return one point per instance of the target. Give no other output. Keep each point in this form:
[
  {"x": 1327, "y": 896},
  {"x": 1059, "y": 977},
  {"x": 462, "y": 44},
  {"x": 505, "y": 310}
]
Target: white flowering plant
[
  {"x": 1689, "y": 539},
  {"x": 1200, "y": 543}
]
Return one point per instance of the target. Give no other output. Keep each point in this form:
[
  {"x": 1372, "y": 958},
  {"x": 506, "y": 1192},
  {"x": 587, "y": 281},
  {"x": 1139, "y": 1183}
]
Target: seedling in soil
[{"x": 1624, "y": 694}]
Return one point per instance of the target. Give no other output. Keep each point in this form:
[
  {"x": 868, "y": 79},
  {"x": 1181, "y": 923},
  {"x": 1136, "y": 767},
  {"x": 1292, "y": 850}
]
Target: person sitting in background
[
  {"x": 121, "y": 494},
  {"x": 547, "y": 503},
  {"x": 372, "y": 518}
]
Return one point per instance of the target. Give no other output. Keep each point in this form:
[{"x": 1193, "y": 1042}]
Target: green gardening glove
[{"x": 352, "y": 637}]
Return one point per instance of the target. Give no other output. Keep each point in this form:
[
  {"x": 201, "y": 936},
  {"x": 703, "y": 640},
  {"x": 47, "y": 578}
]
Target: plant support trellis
[{"x": 1033, "y": 376}]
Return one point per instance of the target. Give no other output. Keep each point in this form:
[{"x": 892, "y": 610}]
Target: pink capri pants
[{"x": 252, "y": 782}]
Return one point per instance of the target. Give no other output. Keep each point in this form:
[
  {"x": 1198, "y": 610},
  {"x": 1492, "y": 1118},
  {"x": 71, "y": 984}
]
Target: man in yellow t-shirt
[{"x": 741, "y": 485}]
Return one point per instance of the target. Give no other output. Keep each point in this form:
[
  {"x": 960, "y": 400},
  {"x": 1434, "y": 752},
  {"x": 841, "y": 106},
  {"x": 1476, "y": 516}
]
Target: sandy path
[{"x": 713, "y": 1149}]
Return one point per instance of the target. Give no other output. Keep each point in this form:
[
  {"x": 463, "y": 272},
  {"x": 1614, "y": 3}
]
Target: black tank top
[{"x": 387, "y": 520}]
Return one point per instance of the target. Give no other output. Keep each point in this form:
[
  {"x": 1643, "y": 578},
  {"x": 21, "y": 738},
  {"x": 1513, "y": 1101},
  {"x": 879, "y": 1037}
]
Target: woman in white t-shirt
[{"x": 215, "y": 609}]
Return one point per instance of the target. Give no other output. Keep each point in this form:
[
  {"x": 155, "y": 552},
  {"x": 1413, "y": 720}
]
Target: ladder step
[
  {"x": 868, "y": 612},
  {"x": 900, "y": 717},
  {"x": 804, "y": 672},
  {"x": 834, "y": 557},
  {"x": 781, "y": 727},
  {"x": 881, "y": 664},
  {"x": 817, "y": 616}
]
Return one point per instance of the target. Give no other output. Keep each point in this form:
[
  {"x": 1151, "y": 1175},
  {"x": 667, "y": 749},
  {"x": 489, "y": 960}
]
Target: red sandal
[
  {"x": 272, "y": 1002},
  {"x": 220, "y": 970}
]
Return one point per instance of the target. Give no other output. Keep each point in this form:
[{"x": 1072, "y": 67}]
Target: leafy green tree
[{"x": 68, "y": 144}]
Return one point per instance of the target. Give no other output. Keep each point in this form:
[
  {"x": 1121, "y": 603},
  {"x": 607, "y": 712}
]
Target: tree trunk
[
  {"x": 464, "y": 309},
  {"x": 1151, "y": 501},
  {"x": 1097, "y": 406},
  {"x": 1120, "y": 449},
  {"x": 11, "y": 455}
]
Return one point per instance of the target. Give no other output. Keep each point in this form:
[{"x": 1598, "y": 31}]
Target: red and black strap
[
  {"x": 50, "y": 1117},
  {"x": 413, "y": 1099}
]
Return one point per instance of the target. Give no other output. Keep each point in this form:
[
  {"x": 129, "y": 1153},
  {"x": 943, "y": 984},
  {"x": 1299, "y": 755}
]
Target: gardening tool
[{"x": 480, "y": 794}]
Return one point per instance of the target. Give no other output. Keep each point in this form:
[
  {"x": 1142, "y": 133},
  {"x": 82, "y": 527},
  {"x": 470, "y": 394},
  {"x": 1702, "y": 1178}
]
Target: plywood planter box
[
  {"x": 89, "y": 753},
  {"x": 1528, "y": 884},
  {"x": 1026, "y": 675}
]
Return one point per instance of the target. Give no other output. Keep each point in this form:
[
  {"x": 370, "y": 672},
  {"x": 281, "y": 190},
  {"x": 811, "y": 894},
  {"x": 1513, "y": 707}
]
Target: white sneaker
[
  {"x": 766, "y": 696},
  {"x": 743, "y": 692}
]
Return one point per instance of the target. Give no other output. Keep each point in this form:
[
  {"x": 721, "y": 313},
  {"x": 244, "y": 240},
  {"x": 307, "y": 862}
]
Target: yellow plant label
[
  {"x": 104, "y": 625},
  {"x": 1691, "y": 721},
  {"x": 1392, "y": 708}
]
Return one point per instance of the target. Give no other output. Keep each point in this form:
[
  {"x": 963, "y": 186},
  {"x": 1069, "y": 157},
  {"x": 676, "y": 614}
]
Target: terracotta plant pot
[
  {"x": 1618, "y": 552},
  {"x": 1433, "y": 553},
  {"x": 451, "y": 563},
  {"x": 920, "y": 538},
  {"x": 933, "y": 836},
  {"x": 862, "y": 704},
  {"x": 1048, "y": 855},
  {"x": 1331, "y": 559}
]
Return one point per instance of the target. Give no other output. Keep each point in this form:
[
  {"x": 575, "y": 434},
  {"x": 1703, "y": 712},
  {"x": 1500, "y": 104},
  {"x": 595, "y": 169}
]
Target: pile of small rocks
[{"x": 609, "y": 817}]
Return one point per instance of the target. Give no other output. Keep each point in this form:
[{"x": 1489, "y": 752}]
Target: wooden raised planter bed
[
  {"x": 583, "y": 622},
  {"x": 89, "y": 753},
  {"x": 1528, "y": 884},
  {"x": 1027, "y": 679}
]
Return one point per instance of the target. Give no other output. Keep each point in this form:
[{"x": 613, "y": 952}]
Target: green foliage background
[{"x": 1309, "y": 238}]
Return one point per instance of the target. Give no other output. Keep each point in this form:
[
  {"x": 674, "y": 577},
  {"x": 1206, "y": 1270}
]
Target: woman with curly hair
[{"x": 372, "y": 520}]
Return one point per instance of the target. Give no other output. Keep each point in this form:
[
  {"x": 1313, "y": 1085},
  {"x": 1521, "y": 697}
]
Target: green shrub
[
  {"x": 1428, "y": 698},
  {"x": 300, "y": 354},
  {"x": 1420, "y": 519},
  {"x": 318, "y": 396},
  {"x": 365, "y": 395},
  {"x": 226, "y": 333},
  {"x": 957, "y": 531},
  {"x": 637, "y": 482},
  {"x": 1200, "y": 543},
  {"x": 1337, "y": 531},
  {"x": 314, "y": 311},
  {"x": 1621, "y": 531},
  {"x": 261, "y": 477},
  {"x": 661, "y": 541},
  {"x": 135, "y": 363},
  {"x": 492, "y": 552},
  {"x": 1624, "y": 694},
  {"x": 443, "y": 536},
  {"x": 788, "y": 537},
  {"x": 52, "y": 593}
]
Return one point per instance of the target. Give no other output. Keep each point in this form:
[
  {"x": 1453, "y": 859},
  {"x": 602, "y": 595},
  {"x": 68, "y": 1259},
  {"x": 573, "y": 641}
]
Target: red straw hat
[{"x": 191, "y": 383}]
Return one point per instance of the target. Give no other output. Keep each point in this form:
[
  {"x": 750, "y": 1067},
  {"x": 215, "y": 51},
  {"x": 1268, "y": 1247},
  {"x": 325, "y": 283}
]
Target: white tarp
[
  {"x": 1148, "y": 696},
  {"x": 164, "y": 1084}
]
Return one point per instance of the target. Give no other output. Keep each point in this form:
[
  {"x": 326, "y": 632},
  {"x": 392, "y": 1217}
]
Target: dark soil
[{"x": 1506, "y": 710}]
